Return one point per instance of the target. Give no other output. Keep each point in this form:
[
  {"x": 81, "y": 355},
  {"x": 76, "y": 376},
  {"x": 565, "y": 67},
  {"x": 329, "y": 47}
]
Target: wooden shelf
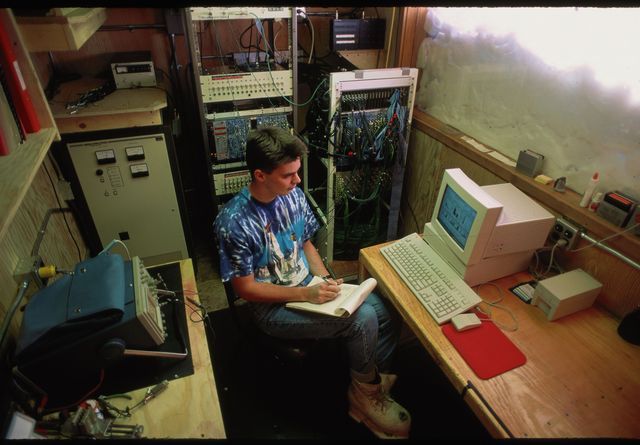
[
  {"x": 65, "y": 32},
  {"x": 136, "y": 107},
  {"x": 566, "y": 204},
  {"x": 18, "y": 168}
]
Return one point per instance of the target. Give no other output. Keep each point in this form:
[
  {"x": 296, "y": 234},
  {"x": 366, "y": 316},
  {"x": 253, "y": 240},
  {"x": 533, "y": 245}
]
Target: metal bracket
[{"x": 28, "y": 266}]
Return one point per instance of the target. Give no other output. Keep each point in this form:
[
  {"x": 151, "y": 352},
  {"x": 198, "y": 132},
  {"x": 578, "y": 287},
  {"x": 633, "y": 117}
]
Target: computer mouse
[{"x": 463, "y": 322}]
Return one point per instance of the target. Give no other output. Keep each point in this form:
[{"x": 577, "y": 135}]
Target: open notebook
[{"x": 350, "y": 298}]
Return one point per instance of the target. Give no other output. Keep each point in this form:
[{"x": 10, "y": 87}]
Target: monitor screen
[
  {"x": 464, "y": 216},
  {"x": 456, "y": 216}
]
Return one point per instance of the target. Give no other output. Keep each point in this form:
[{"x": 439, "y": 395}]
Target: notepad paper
[{"x": 348, "y": 300}]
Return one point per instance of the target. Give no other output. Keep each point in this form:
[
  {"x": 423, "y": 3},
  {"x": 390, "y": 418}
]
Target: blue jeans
[{"x": 370, "y": 333}]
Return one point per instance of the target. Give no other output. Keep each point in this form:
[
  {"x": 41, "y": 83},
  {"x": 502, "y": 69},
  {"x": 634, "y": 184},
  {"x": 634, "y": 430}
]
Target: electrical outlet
[{"x": 563, "y": 229}]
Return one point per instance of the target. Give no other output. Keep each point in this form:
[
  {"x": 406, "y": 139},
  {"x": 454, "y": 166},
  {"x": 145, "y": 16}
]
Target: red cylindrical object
[{"x": 17, "y": 86}]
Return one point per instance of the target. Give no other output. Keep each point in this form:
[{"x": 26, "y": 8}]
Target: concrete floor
[{"x": 210, "y": 288}]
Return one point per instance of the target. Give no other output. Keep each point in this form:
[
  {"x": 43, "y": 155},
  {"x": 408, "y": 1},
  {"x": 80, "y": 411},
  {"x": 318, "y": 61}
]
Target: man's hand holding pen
[{"x": 328, "y": 290}]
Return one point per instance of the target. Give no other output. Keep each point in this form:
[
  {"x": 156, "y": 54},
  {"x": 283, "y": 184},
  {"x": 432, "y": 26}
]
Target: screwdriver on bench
[{"x": 151, "y": 394}]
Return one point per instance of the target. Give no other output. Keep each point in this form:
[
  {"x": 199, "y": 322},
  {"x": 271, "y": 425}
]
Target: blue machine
[{"x": 85, "y": 322}]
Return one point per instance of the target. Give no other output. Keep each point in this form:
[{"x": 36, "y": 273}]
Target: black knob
[{"x": 111, "y": 351}]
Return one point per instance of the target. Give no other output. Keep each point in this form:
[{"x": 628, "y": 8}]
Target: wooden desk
[
  {"x": 580, "y": 379},
  {"x": 189, "y": 407}
]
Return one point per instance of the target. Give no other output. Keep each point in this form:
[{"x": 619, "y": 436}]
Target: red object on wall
[
  {"x": 4, "y": 148},
  {"x": 18, "y": 88}
]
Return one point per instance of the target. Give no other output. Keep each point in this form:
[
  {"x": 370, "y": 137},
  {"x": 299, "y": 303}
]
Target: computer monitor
[{"x": 485, "y": 232}]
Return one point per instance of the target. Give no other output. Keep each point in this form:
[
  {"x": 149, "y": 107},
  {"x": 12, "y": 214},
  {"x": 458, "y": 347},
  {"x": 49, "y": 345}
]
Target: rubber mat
[{"x": 486, "y": 349}]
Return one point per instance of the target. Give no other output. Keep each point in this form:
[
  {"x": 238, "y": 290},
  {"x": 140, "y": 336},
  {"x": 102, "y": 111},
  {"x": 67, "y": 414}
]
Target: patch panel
[
  {"x": 230, "y": 183},
  {"x": 362, "y": 127},
  {"x": 239, "y": 12},
  {"x": 359, "y": 130},
  {"x": 248, "y": 113},
  {"x": 241, "y": 86}
]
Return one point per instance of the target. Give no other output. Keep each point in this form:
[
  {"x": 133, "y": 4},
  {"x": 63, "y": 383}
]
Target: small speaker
[
  {"x": 613, "y": 213},
  {"x": 629, "y": 327},
  {"x": 530, "y": 163},
  {"x": 635, "y": 219}
]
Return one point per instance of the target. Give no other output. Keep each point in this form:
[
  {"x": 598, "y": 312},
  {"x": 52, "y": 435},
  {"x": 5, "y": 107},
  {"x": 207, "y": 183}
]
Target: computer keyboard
[{"x": 436, "y": 284}]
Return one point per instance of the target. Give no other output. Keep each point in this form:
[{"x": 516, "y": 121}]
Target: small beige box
[{"x": 566, "y": 293}]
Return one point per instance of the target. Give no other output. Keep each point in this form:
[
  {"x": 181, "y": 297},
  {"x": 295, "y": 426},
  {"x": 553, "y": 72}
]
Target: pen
[{"x": 326, "y": 279}]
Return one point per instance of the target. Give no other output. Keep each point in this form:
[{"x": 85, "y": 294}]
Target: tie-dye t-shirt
[{"x": 265, "y": 239}]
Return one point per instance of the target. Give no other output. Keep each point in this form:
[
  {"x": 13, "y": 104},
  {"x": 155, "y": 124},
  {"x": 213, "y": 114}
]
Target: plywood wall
[
  {"x": 426, "y": 160},
  {"x": 58, "y": 243}
]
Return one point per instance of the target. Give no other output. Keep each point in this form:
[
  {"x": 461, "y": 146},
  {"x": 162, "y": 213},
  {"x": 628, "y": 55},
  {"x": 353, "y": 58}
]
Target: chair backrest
[
  {"x": 232, "y": 301},
  {"x": 232, "y": 298},
  {"x": 283, "y": 349}
]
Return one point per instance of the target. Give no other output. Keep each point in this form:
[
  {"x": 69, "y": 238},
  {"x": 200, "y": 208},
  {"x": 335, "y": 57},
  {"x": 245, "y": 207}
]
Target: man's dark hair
[{"x": 268, "y": 148}]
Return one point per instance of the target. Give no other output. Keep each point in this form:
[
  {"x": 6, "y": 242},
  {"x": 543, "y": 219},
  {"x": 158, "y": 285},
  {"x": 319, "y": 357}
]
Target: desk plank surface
[
  {"x": 580, "y": 379},
  {"x": 189, "y": 407}
]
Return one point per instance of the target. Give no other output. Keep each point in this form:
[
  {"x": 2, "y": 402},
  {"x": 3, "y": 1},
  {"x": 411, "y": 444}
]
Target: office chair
[{"x": 283, "y": 350}]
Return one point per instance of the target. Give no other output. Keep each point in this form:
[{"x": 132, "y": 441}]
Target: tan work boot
[{"x": 371, "y": 404}]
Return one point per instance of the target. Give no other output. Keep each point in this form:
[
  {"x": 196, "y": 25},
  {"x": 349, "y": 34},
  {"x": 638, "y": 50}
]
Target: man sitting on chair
[{"x": 264, "y": 242}]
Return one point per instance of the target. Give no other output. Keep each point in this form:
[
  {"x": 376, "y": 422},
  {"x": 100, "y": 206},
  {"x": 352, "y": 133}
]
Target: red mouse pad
[{"x": 485, "y": 348}]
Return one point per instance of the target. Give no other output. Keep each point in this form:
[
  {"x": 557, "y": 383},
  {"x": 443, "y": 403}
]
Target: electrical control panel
[
  {"x": 133, "y": 69},
  {"x": 118, "y": 178},
  {"x": 230, "y": 134},
  {"x": 351, "y": 34}
]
